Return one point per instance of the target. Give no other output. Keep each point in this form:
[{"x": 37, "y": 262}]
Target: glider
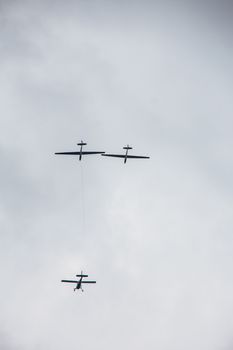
[
  {"x": 80, "y": 153},
  {"x": 125, "y": 156}
]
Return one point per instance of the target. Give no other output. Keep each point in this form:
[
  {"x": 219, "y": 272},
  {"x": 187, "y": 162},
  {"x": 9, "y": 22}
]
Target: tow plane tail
[{"x": 81, "y": 275}]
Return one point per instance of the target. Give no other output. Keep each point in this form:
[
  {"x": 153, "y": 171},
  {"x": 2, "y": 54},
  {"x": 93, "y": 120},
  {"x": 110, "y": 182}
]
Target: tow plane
[
  {"x": 125, "y": 156},
  {"x": 80, "y": 153},
  {"x": 79, "y": 282}
]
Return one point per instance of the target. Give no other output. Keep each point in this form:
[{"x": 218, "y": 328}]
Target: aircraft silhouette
[
  {"x": 80, "y": 153},
  {"x": 125, "y": 156},
  {"x": 79, "y": 282}
]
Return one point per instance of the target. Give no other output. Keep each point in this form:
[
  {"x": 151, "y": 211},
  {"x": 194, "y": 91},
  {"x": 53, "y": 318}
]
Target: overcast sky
[{"x": 156, "y": 234}]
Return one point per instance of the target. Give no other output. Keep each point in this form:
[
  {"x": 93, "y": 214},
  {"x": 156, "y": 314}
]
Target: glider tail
[{"x": 82, "y": 143}]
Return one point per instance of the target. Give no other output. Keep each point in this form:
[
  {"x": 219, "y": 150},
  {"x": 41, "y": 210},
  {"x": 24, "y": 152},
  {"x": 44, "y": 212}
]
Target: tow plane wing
[{"x": 71, "y": 281}]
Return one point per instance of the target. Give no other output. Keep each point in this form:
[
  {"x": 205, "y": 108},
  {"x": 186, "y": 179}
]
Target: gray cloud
[{"x": 156, "y": 235}]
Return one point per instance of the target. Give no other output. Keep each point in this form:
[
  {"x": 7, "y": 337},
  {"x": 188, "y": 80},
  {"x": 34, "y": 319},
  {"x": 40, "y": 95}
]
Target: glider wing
[
  {"x": 78, "y": 153},
  {"x": 114, "y": 155},
  {"x": 128, "y": 156}
]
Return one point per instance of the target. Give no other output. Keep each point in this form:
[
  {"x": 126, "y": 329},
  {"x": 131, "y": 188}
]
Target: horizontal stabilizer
[
  {"x": 81, "y": 275},
  {"x": 127, "y": 147},
  {"x": 82, "y": 144}
]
